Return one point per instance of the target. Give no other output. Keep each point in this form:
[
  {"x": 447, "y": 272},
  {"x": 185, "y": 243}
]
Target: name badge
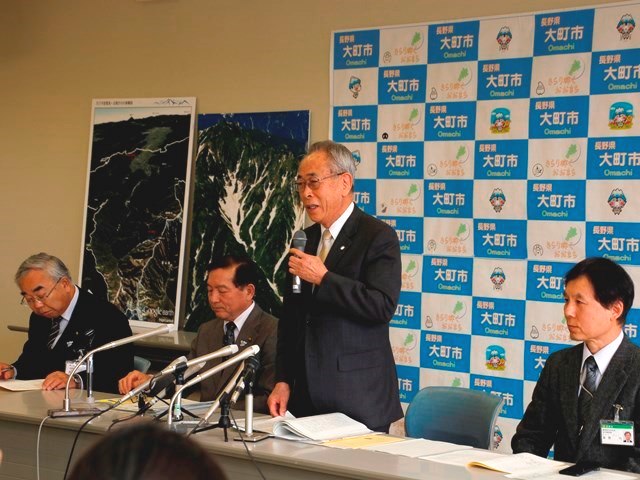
[{"x": 617, "y": 433}]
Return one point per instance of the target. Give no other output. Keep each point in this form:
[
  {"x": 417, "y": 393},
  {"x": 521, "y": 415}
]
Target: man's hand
[
  {"x": 132, "y": 380},
  {"x": 278, "y": 400},
  {"x": 57, "y": 381},
  {"x": 308, "y": 267},
  {"x": 7, "y": 371}
]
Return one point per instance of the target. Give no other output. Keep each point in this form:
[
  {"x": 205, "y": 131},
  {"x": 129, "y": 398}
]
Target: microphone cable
[
  {"x": 253, "y": 460},
  {"x": 75, "y": 440}
]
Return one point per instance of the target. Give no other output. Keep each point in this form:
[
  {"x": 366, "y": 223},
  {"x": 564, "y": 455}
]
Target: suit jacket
[
  {"x": 259, "y": 329},
  {"x": 90, "y": 313},
  {"x": 335, "y": 337},
  {"x": 552, "y": 416}
]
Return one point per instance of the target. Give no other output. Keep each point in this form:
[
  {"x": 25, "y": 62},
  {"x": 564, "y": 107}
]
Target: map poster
[
  {"x": 244, "y": 203},
  {"x": 137, "y": 188}
]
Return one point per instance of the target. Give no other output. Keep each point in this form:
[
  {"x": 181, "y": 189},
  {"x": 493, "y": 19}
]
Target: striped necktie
[
  {"x": 587, "y": 389},
  {"x": 54, "y": 332},
  {"x": 229, "y": 333},
  {"x": 327, "y": 241}
]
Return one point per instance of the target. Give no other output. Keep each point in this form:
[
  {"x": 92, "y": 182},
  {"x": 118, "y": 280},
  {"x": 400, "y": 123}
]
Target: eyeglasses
[
  {"x": 28, "y": 300},
  {"x": 313, "y": 183}
]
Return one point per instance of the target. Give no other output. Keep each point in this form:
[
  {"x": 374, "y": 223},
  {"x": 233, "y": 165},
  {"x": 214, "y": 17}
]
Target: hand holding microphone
[
  {"x": 303, "y": 266},
  {"x": 299, "y": 242}
]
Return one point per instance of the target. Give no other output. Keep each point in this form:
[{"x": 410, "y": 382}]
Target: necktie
[
  {"x": 587, "y": 390},
  {"x": 327, "y": 240},
  {"x": 229, "y": 330},
  {"x": 53, "y": 333}
]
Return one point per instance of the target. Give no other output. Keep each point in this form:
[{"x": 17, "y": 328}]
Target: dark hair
[
  {"x": 610, "y": 282},
  {"x": 246, "y": 269},
  {"x": 146, "y": 451}
]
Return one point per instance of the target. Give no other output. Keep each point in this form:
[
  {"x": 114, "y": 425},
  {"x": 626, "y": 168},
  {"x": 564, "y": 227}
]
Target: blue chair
[
  {"x": 141, "y": 364},
  {"x": 455, "y": 415}
]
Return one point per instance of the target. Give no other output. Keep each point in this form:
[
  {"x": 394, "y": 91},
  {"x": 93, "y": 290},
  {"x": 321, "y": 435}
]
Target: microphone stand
[
  {"x": 177, "y": 407},
  {"x": 66, "y": 410},
  {"x": 249, "y": 434},
  {"x": 224, "y": 421},
  {"x": 252, "y": 350}
]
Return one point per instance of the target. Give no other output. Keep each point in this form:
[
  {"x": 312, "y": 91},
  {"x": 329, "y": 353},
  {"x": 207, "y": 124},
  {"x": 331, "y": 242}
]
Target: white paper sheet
[{"x": 22, "y": 385}]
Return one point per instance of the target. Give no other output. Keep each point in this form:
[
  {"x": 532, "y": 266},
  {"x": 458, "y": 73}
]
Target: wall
[{"x": 234, "y": 56}]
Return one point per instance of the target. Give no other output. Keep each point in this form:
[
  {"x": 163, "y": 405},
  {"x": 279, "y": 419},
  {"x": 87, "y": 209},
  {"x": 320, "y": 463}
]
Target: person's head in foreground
[{"x": 146, "y": 451}]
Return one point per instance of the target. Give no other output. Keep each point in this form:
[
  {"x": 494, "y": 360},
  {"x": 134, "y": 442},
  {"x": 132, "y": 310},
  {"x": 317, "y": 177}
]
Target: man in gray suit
[
  {"x": 334, "y": 353},
  {"x": 581, "y": 385},
  {"x": 231, "y": 287}
]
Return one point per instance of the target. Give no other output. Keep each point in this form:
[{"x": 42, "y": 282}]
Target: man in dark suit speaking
[
  {"x": 66, "y": 322},
  {"x": 334, "y": 353},
  {"x": 596, "y": 380}
]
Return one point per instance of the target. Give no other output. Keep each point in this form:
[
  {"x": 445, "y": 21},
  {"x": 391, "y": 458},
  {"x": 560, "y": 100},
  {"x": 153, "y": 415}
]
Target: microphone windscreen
[{"x": 299, "y": 240}]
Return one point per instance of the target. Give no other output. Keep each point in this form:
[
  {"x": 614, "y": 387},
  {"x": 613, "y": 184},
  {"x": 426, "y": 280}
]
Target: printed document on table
[
  {"x": 364, "y": 442},
  {"x": 418, "y": 447},
  {"x": 595, "y": 475},
  {"x": 262, "y": 423},
  {"x": 463, "y": 457},
  {"x": 518, "y": 464},
  {"x": 318, "y": 428},
  {"x": 22, "y": 385}
]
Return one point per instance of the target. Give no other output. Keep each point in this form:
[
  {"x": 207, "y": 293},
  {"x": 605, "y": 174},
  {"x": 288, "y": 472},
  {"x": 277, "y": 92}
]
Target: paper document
[
  {"x": 263, "y": 423},
  {"x": 418, "y": 447},
  {"x": 365, "y": 442},
  {"x": 318, "y": 428},
  {"x": 595, "y": 475},
  {"x": 517, "y": 464},
  {"x": 132, "y": 406},
  {"x": 464, "y": 457},
  {"x": 22, "y": 385}
]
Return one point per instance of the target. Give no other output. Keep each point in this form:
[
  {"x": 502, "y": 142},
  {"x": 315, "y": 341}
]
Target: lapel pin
[
  {"x": 342, "y": 247},
  {"x": 243, "y": 343}
]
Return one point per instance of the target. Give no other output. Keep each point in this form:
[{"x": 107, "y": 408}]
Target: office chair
[
  {"x": 455, "y": 415},
  {"x": 141, "y": 364}
]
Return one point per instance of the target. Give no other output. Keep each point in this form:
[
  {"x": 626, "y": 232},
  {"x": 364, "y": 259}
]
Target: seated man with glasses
[{"x": 66, "y": 322}]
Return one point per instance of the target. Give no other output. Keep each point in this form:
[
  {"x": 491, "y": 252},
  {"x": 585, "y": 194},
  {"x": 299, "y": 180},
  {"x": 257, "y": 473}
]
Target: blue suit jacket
[
  {"x": 552, "y": 416},
  {"x": 337, "y": 335},
  {"x": 90, "y": 314}
]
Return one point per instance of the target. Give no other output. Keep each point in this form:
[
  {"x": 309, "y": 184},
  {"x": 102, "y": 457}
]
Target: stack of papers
[{"x": 318, "y": 428}]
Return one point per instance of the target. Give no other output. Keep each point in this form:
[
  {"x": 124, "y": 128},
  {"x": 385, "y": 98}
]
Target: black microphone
[
  {"x": 299, "y": 242},
  {"x": 247, "y": 377},
  {"x": 159, "y": 384}
]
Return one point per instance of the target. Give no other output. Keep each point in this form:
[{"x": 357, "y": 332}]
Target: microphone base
[
  {"x": 253, "y": 438},
  {"x": 74, "y": 412}
]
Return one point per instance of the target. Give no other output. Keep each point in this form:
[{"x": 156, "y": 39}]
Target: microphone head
[
  {"x": 255, "y": 349},
  {"x": 252, "y": 363},
  {"x": 299, "y": 240},
  {"x": 193, "y": 369},
  {"x": 178, "y": 360}
]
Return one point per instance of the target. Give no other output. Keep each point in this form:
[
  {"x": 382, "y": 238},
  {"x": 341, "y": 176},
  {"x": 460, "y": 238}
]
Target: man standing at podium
[
  {"x": 66, "y": 322},
  {"x": 589, "y": 395},
  {"x": 334, "y": 353}
]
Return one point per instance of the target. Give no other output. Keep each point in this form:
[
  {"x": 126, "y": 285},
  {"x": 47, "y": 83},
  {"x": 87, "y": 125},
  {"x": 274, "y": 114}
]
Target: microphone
[
  {"x": 178, "y": 363},
  {"x": 66, "y": 410},
  {"x": 248, "y": 376},
  {"x": 247, "y": 352},
  {"x": 299, "y": 242},
  {"x": 157, "y": 387}
]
